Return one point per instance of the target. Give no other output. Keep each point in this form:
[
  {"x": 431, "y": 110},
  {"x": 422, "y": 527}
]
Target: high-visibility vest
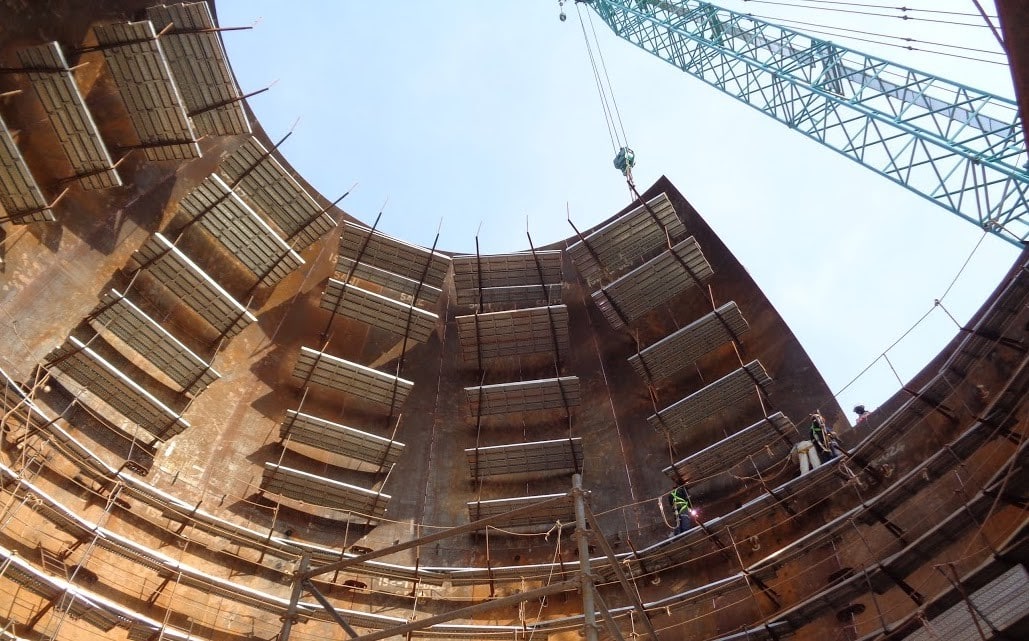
[
  {"x": 680, "y": 502},
  {"x": 818, "y": 434}
]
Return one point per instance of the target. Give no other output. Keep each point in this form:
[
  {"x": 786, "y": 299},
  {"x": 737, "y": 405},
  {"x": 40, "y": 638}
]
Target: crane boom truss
[{"x": 961, "y": 148}]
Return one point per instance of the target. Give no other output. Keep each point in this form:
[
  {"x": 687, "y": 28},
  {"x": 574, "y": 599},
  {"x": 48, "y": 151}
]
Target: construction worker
[
  {"x": 625, "y": 161},
  {"x": 683, "y": 508},
  {"x": 823, "y": 439},
  {"x": 862, "y": 414}
]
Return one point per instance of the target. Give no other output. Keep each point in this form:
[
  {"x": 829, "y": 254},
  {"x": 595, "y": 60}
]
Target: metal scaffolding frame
[{"x": 585, "y": 526}]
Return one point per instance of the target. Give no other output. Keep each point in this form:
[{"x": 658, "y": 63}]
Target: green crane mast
[{"x": 959, "y": 147}]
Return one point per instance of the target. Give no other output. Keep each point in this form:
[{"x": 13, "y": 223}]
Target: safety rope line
[
  {"x": 550, "y": 575},
  {"x": 936, "y": 303}
]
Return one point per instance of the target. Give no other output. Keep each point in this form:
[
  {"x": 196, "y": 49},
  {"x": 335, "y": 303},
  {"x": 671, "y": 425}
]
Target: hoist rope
[
  {"x": 832, "y": 31},
  {"x": 903, "y": 15},
  {"x": 610, "y": 87},
  {"x": 868, "y": 5},
  {"x": 913, "y": 18},
  {"x": 609, "y": 115},
  {"x": 863, "y": 32}
]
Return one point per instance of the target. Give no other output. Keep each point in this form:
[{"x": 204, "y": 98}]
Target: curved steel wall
[{"x": 107, "y": 532}]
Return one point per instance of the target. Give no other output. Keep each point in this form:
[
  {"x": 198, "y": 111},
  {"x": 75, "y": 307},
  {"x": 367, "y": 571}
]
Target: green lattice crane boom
[{"x": 959, "y": 147}]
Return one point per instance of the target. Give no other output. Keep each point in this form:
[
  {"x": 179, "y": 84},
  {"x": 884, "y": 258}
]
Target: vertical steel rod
[
  {"x": 589, "y": 610},
  {"x": 620, "y": 574},
  {"x": 294, "y": 597}
]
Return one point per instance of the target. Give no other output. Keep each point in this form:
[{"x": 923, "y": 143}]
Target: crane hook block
[{"x": 625, "y": 160}]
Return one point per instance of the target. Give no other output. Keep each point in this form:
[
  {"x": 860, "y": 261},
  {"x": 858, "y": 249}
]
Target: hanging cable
[
  {"x": 865, "y": 5},
  {"x": 625, "y": 158},
  {"x": 607, "y": 78},
  {"x": 901, "y": 16},
  {"x": 809, "y": 28},
  {"x": 608, "y": 118},
  {"x": 910, "y": 16},
  {"x": 881, "y": 35}
]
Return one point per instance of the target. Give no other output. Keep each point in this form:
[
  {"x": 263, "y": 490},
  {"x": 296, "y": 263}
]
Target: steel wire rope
[
  {"x": 196, "y": 488},
  {"x": 23, "y": 442},
  {"x": 742, "y": 600},
  {"x": 607, "y": 78},
  {"x": 814, "y": 506},
  {"x": 887, "y": 35},
  {"x": 921, "y": 584},
  {"x": 612, "y": 132},
  {"x": 718, "y": 551},
  {"x": 927, "y": 516},
  {"x": 712, "y": 612},
  {"x": 26, "y": 397},
  {"x": 1010, "y": 464},
  {"x": 637, "y": 503},
  {"x": 831, "y": 533},
  {"x": 550, "y": 576},
  {"x": 86, "y": 554},
  {"x": 71, "y": 459},
  {"x": 895, "y": 45},
  {"x": 950, "y": 286},
  {"x": 902, "y": 16},
  {"x": 843, "y": 487},
  {"x": 866, "y": 5}
]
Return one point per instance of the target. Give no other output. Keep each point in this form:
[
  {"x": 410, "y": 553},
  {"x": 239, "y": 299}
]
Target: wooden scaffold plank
[
  {"x": 353, "y": 378},
  {"x": 548, "y": 514},
  {"x": 256, "y": 174},
  {"x": 88, "y": 369},
  {"x": 653, "y": 283},
  {"x": 776, "y": 430},
  {"x": 153, "y": 342},
  {"x": 683, "y": 347},
  {"x": 339, "y": 439},
  {"x": 201, "y": 68},
  {"x": 224, "y": 215},
  {"x": 532, "y": 330},
  {"x": 180, "y": 275},
  {"x": 509, "y": 278},
  {"x": 721, "y": 394},
  {"x": 80, "y": 139},
  {"x": 323, "y": 491},
  {"x": 524, "y": 396},
  {"x": 391, "y": 263},
  {"x": 624, "y": 242},
  {"x": 551, "y": 457},
  {"x": 20, "y": 195},
  {"x": 144, "y": 80},
  {"x": 379, "y": 311}
]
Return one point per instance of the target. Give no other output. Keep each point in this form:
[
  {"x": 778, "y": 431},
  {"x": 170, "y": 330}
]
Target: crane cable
[
  {"x": 625, "y": 158},
  {"x": 609, "y": 119}
]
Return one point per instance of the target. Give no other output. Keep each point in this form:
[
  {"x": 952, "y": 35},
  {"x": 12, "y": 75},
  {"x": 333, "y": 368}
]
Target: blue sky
[{"x": 484, "y": 117}]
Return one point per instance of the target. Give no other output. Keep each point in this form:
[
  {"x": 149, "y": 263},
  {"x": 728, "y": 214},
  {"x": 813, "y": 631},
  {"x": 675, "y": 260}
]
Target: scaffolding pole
[
  {"x": 294, "y": 597},
  {"x": 589, "y": 611}
]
